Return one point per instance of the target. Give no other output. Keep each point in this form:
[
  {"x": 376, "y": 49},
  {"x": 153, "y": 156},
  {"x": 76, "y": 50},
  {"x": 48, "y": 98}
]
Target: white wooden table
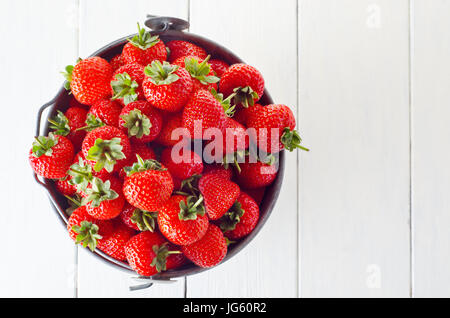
[{"x": 365, "y": 213}]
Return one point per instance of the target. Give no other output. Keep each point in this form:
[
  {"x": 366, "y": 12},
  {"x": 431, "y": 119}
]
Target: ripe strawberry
[
  {"x": 170, "y": 124},
  {"x": 116, "y": 62},
  {"x": 140, "y": 121},
  {"x": 200, "y": 71},
  {"x": 241, "y": 219},
  {"x": 143, "y": 150},
  {"x": 204, "y": 109},
  {"x": 148, "y": 185},
  {"x": 64, "y": 187},
  {"x": 104, "y": 199},
  {"x": 103, "y": 112},
  {"x": 210, "y": 250},
  {"x": 114, "y": 244},
  {"x": 149, "y": 253},
  {"x": 126, "y": 83},
  {"x": 244, "y": 80},
  {"x": 219, "y": 67},
  {"x": 257, "y": 194},
  {"x": 219, "y": 194},
  {"x": 89, "y": 79},
  {"x": 144, "y": 48},
  {"x": 256, "y": 175},
  {"x": 182, "y": 165},
  {"x": 86, "y": 230},
  {"x": 219, "y": 170},
  {"x": 167, "y": 87},
  {"x": 274, "y": 125},
  {"x": 235, "y": 139},
  {"x": 137, "y": 219},
  {"x": 74, "y": 103},
  {"x": 242, "y": 114},
  {"x": 67, "y": 124},
  {"x": 51, "y": 156},
  {"x": 182, "y": 220},
  {"x": 106, "y": 148},
  {"x": 179, "y": 49}
]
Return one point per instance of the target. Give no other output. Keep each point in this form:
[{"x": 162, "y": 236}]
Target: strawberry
[
  {"x": 210, "y": 250},
  {"x": 167, "y": 87},
  {"x": 144, "y": 151},
  {"x": 218, "y": 66},
  {"x": 149, "y": 253},
  {"x": 137, "y": 219},
  {"x": 171, "y": 123},
  {"x": 86, "y": 230},
  {"x": 67, "y": 124},
  {"x": 219, "y": 194},
  {"x": 104, "y": 199},
  {"x": 144, "y": 48},
  {"x": 200, "y": 71},
  {"x": 114, "y": 244},
  {"x": 50, "y": 157},
  {"x": 148, "y": 184},
  {"x": 103, "y": 112},
  {"x": 64, "y": 187},
  {"x": 241, "y": 219},
  {"x": 244, "y": 80},
  {"x": 242, "y": 114},
  {"x": 274, "y": 126},
  {"x": 218, "y": 169},
  {"x": 235, "y": 139},
  {"x": 256, "y": 193},
  {"x": 182, "y": 165},
  {"x": 182, "y": 220},
  {"x": 202, "y": 112},
  {"x": 126, "y": 83},
  {"x": 116, "y": 62},
  {"x": 141, "y": 121},
  {"x": 256, "y": 174},
  {"x": 180, "y": 48},
  {"x": 89, "y": 80},
  {"x": 106, "y": 148}
]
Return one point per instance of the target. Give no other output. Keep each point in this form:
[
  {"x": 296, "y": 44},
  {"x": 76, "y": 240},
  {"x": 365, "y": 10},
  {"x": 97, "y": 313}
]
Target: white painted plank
[
  {"x": 262, "y": 33},
  {"x": 354, "y": 184},
  {"x": 430, "y": 151},
  {"x": 102, "y": 22},
  {"x": 37, "y": 255}
]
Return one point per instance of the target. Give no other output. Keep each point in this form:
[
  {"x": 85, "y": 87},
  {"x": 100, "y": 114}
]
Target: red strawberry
[
  {"x": 106, "y": 148},
  {"x": 106, "y": 111},
  {"x": 182, "y": 220},
  {"x": 144, "y": 48},
  {"x": 89, "y": 79},
  {"x": 170, "y": 124},
  {"x": 274, "y": 125},
  {"x": 104, "y": 199},
  {"x": 235, "y": 139},
  {"x": 148, "y": 185},
  {"x": 256, "y": 175},
  {"x": 200, "y": 71},
  {"x": 116, "y": 62},
  {"x": 167, "y": 87},
  {"x": 67, "y": 124},
  {"x": 64, "y": 187},
  {"x": 144, "y": 151},
  {"x": 210, "y": 250},
  {"x": 257, "y": 194},
  {"x": 140, "y": 121},
  {"x": 202, "y": 112},
  {"x": 86, "y": 230},
  {"x": 219, "y": 194},
  {"x": 179, "y": 49},
  {"x": 114, "y": 244},
  {"x": 241, "y": 219},
  {"x": 242, "y": 114},
  {"x": 126, "y": 83},
  {"x": 149, "y": 253},
  {"x": 244, "y": 80},
  {"x": 74, "y": 103},
  {"x": 182, "y": 165},
  {"x": 50, "y": 157},
  {"x": 137, "y": 219},
  {"x": 219, "y": 67},
  {"x": 219, "y": 170}
]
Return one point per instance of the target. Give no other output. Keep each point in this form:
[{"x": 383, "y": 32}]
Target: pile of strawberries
[{"x": 122, "y": 153}]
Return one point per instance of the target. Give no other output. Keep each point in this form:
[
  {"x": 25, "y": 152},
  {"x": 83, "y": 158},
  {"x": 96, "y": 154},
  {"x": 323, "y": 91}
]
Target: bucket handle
[{"x": 162, "y": 24}]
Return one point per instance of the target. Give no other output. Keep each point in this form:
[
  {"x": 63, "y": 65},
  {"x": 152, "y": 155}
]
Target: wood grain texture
[
  {"x": 354, "y": 184},
  {"x": 430, "y": 151},
  {"x": 38, "y": 258},
  {"x": 102, "y": 22},
  {"x": 267, "y": 267}
]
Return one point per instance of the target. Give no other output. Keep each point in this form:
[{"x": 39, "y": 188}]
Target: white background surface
[{"x": 365, "y": 213}]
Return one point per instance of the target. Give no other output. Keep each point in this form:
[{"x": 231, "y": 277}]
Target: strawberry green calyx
[
  {"x": 226, "y": 103},
  {"x": 143, "y": 40},
  {"x": 81, "y": 173},
  {"x": 43, "y": 145},
  {"x": 191, "y": 208},
  {"x": 229, "y": 220},
  {"x": 160, "y": 260},
  {"x": 189, "y": 186},
  {"x": 291, "y": 140},
  {"x": 245, "y": 96},
  {"x": 124, "y": 87},
  {"x": 201, "y": 70},
  {"x": 105, "y": 153},
  {"x": 87, "y": 234},
  {"x": 145, "y": 220},
  {"x": 98, "y": 192},
  {"x": 137, "y": 123},
  {"x": 161, "y": 74},
  {"x": 92, "y": 122},
  {"x": 60, "y": 124},
  {"x": 68, "y": 76},
  {"x": 74, "y": 203},
  {"x": 142, "y": 165}
]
